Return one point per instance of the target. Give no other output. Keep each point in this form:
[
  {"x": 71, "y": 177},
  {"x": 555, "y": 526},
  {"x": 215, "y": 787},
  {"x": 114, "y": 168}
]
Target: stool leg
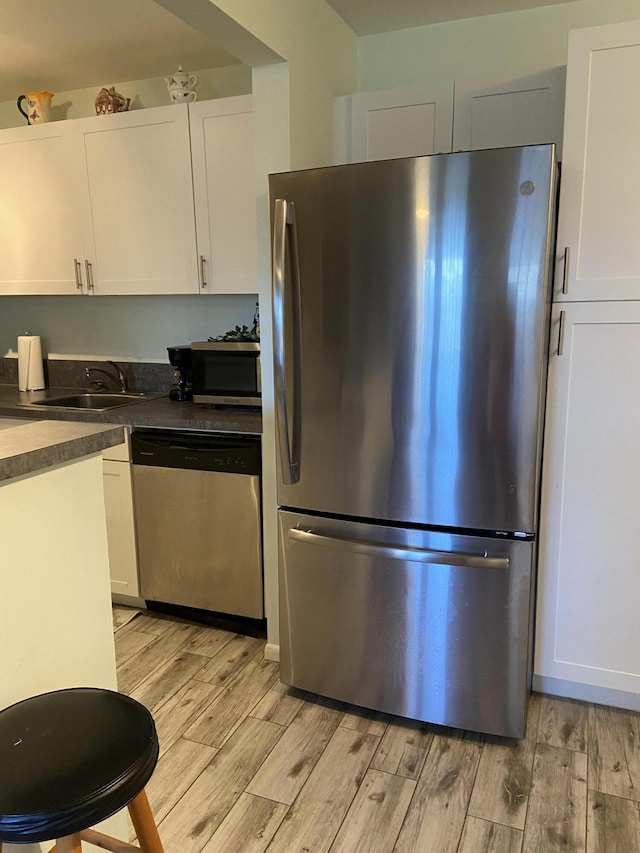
[
  {"x": 70, "y": 844},
  {"x": 145, "y": 825}
]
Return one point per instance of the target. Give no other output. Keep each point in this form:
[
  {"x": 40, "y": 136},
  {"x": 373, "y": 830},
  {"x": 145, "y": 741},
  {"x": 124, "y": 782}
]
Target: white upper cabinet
[
  {"x": 139, "y": 218},
  {"x": 224, "y": 184},
  {"x": 105, "y": 205},
  {"x": 600, "y": 187},
  {"x": 464, "y": 116},
  {"x": 40, "y": 217},
  {"x": 506, "y": 112},
  {"x": 401, "y": 123},
  {"x": 588, "y": 631}
]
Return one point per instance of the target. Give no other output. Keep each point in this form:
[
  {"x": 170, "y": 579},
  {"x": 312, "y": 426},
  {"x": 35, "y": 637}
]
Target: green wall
[
  {"x": 136, "y": 327},
  {"x": 506, "y": 45}
]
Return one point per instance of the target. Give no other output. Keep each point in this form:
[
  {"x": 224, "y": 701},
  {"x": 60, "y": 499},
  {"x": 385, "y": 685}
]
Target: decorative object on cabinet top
[
  {"x": 180, "y": 86},
  {"x": 38, "y": 105},
  {"x": 109, "y": 101}
]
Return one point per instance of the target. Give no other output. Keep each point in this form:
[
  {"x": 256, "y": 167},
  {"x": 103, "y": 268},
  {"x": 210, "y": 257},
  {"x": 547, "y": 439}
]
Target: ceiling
[
  {"x": 366, "y": 17},
  {"x": 72, "y": 44}
]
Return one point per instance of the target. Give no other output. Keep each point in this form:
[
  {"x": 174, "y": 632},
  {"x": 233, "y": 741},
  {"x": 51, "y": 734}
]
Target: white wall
[
  {"x": 320, "y": 50},
  {"x": 293, "y": 115},
  {"x": 271, "y": 127},
  {"x": 492, "y": 46}
]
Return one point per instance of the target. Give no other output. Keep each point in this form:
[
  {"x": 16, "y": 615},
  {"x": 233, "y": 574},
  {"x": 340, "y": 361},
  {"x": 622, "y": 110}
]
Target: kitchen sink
[{"x": 97, "y": 401}]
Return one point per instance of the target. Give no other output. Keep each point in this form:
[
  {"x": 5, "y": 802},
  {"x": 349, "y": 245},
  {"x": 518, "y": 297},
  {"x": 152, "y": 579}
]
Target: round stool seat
[{"x": 70, "y": 759}]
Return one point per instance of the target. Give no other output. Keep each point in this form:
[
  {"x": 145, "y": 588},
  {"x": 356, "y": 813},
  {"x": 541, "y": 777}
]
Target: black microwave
[{"x": 226, "y": 373}]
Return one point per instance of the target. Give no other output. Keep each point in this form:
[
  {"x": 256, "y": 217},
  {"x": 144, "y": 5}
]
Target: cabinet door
[
  {"x": 41, "y": 232},
  {"x": 225, "y": 194},
  {"x": 600, "y": 189},
  {"x": 401, "y": 123},
  {"x": 589, "y": 585},
  {"x": 121, "y": 537},
  {"x": 503, "y": 113},
  {"x": 139, "y": 219}
]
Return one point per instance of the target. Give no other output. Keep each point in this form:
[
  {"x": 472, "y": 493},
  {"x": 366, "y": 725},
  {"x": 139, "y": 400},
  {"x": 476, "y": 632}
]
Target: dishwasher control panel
[{"x": 196, "y": 451}]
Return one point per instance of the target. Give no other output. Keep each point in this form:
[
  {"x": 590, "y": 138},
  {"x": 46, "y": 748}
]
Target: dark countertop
[
  {"x": 156, "y": 411},
  {"x": 40, "y": 445}
]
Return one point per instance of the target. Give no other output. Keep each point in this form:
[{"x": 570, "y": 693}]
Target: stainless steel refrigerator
[{"x": 411, "y": 321}]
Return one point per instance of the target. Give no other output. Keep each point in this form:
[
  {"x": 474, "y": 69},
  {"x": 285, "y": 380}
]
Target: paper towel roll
[{"x": 30, "y": 368}]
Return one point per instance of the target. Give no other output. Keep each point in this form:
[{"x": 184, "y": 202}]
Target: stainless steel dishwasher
[{"x": 198, "y": 520}]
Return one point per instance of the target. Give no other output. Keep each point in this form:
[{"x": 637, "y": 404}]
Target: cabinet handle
[
  {"x": 560, "y": 334},
  {"x": 89, "y": 268},
  {"x": 565, "y": 272},
  {"x": 203, "y": 278},
  {"x": 78, "y": 272}
]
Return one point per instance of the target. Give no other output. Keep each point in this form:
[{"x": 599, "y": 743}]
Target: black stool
[{"x": 70, "y": 759}]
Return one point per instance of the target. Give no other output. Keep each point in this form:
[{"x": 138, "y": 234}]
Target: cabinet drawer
[{"x": 120, "y": 452}]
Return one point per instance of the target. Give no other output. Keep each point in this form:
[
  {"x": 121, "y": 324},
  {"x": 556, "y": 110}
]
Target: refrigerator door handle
[
  {"x": 289, "y": 436},
  {"x": 393, "y": 552}
]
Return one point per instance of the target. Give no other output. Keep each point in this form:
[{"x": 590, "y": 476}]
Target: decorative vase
[{"x": 38, "y": 106}]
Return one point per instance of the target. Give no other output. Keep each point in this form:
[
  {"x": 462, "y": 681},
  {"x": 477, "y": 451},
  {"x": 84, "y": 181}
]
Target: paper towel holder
[{"x": 30, "y": 363}]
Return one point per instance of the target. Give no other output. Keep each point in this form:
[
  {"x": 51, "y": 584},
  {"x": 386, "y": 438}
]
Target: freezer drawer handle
[{"x": 391, "y": 552}]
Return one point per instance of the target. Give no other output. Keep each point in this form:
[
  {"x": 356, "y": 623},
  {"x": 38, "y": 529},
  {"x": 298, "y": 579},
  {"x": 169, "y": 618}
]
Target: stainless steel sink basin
[{"x": 97, "y": 401}]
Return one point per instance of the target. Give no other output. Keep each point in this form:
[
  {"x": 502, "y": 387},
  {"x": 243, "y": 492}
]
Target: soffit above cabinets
[
  {"x": 366, "y": 17},
  {"x": 73, "y": 44}
]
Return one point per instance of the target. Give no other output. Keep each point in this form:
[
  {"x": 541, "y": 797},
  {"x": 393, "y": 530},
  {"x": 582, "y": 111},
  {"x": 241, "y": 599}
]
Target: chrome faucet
[{"x": 121, "y": 379}]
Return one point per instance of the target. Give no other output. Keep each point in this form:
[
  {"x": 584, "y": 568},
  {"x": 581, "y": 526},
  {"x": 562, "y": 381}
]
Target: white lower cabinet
[
  {"x": 588, "y": 616},
  {"x": 121, "y": 534}
]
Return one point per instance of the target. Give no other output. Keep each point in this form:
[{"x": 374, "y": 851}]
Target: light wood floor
[{"x": 249, "y": 765}]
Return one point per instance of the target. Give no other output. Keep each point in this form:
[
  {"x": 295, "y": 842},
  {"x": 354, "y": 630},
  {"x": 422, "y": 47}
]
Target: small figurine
[
  {"x": 180, "y": 86},
  {"x": 109, "y": 101}
]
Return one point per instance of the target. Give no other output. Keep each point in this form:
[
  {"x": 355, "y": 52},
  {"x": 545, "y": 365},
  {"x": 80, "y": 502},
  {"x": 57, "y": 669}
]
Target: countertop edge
[
  {"x": 35, "y": 447},
  {"x": 156, "y": 412}
]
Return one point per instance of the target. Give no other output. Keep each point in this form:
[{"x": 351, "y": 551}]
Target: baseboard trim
[
  {"x": 586, "y": 692},
  {"x": 128, "y": 600},
  {"x": 272, "y": 652}
]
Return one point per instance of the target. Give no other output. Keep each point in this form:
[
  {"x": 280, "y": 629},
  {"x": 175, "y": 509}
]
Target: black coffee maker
[{"x": 182, "y": 382}]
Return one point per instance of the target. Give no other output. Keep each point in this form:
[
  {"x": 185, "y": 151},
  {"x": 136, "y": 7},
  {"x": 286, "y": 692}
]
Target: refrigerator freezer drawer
[{"x": 432, "y": 626}]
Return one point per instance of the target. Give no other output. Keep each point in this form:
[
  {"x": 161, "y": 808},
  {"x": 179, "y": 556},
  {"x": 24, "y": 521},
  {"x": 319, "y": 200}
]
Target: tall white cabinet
[
  {"x": 598, "y": 218},
  {"x": 588, "y": 630}
]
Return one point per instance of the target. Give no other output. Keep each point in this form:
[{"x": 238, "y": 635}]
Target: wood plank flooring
[{"x": 248, "y": 765}]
